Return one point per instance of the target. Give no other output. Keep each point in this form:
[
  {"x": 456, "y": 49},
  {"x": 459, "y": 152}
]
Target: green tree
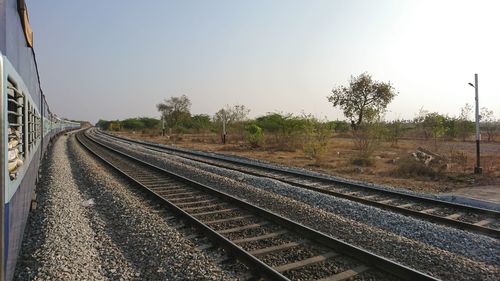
[
  {"x": 198, "y": 123},
  {"x": 339, "y": 126},
  {"x": 419, "y": 123},
  {"x": 150, "y": 123},
  {"x": 488, "y": 123},
  {"x": 435, "y": 123},
  {"x": 363, "y": 99},
  {"x": 132, "y": 124},
  {"x": 286, "y": 129},
  {"x": 103, "y": 124},
  {"x": 316, "y": 139},
  {"x": 255, "y": 135},
  {"x": 465, "y": 127},
  {"x": 394, "y": 131},
  {"x": 175, "y": 110}
]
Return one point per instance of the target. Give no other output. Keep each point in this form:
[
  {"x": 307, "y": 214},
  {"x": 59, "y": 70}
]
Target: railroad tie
[
  {"x": 352, "y": 193},
  {"x": 428, "y": 211},
  {"x": 195, "y": 202},
  {"x": 484, "y": 222},
  {"x": 182, "y": 194},
  {"x": 346, "y": 274},
  {"x": 228, "y": 219},
  {"x": 260, "y": 237},
  {"x": 454, "y": 216},
  {"x": 214, "y": 212},
  {"x": 306, "y": 262},
  {"x": 184, "y": 198},
  {"x": 272, "y": 249},
  {"x": 164, "y": 192},
  {"x": 203, "y": 207},
  {"x": 404, "y": 206},
  {"x": 236, "y": 229}
]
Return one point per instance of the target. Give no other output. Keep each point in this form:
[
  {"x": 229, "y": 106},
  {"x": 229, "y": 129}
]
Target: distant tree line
[
  {"x": 285, "y": 129},
  {"x": 363, "y": 102}
]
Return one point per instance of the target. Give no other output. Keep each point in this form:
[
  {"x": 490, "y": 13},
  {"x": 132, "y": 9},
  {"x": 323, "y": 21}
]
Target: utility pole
[
  {"x": 224, "y": 129},
  {"x": 477, "y": 168},
  {"x": 162, "y": 126}
]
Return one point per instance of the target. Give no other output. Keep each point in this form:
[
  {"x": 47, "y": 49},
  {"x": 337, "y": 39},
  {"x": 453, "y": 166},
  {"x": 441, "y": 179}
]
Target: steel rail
[
  {"x": 368, "y": 258},
  {"x": 241, "y": 254},
  {"x": 415, "y": 213}
]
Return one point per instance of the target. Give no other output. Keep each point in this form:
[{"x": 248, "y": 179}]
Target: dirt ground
[{"x": 338, "y": 160}]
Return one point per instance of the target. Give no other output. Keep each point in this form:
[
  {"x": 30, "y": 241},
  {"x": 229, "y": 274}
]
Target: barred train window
[
  {"x": 31, "y": 126},
  {"x": 15, "y": 100},
  {"x": 37, "y": 127}
]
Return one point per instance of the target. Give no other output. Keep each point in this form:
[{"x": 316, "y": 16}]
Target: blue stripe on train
[{"x": 6, "y": 237}]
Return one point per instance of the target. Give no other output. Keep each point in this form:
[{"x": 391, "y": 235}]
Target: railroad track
[
  {"x": 478, "y": 220},
  {"x": 272, "y": 247}
]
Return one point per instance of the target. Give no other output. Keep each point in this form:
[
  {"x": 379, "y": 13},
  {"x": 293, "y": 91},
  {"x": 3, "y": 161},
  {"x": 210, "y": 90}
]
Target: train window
[
  {"x": 31, "y": 126},
  {"x": 37, "y": 127},
  {"x": 15, "y": 106}
]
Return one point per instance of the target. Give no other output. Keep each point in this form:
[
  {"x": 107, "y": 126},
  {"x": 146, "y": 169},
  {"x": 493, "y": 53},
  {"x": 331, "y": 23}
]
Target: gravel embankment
[
  {"x": 119, "y": 237},
  {"x": 242, "y": 159},
  {"x": 444, "y": 252}
]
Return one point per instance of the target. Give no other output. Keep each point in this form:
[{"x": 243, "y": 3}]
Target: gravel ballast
[
  {"x": 444, "y": 252},
  {"x": 90, "y": 225},
  {"x": 262, "y": 163}
]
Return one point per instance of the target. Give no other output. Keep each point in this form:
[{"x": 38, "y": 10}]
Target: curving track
[
  {"x": 479, "y": 220},
  {"x": 271, "y": 246}
]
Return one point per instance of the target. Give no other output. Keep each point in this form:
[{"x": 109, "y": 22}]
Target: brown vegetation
[{"x": 389, "y": 164}]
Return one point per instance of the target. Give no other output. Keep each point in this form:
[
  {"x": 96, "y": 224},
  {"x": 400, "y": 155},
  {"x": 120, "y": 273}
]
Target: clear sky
[{"x": 116, "y": 58}]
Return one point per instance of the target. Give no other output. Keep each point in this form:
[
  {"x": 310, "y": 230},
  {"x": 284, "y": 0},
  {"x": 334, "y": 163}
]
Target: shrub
[
  {"x": 285, "y": 129},
  {"x": 366, "y": 138},
  {"x": 254, "y": 135},
  {"x": 316, "y": 139},
  {"x": 362, "y": 160},
  {"x": 339, "y": 126},
  {"x": 409, "y": 167}
]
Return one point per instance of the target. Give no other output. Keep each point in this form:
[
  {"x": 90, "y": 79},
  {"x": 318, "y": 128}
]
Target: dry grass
[{"x": 384, "y": 164}]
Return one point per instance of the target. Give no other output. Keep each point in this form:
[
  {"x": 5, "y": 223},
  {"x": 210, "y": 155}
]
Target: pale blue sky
[{"x": 116, "y": 59}]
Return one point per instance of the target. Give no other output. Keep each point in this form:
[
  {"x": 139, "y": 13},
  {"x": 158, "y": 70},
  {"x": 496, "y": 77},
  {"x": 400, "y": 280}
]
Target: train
[{"x": 27, "y": 128}]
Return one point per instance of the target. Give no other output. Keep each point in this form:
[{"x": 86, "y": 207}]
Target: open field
[{"x": 460, "y": 158}]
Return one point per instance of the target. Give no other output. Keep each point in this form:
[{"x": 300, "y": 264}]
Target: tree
[
  {"x": 435, "y": 123},
  {"x": 339, "y": 126},
  {"x": 316, "y": 138},
  {"x": 488, "y": 123},
  {"x": 228, "y": 116},
  {"x": 132, "y": 124},
  {"x": 175, "y": 110},
  {"x": 394, "y": 131},
  {"x": 150, "y": 123},
  {"x": 285, "y": 129},
  {"x": 255, "y": 136},
  {"x": 198, "y": 123},
  {"x": 103, "y": 124},
  {"x": 419, "y": 122},
  {"x": 364, "y": 98},
  {"x": 465, "y": 127}
]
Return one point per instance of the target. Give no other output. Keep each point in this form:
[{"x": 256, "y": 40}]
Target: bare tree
[{"x": 229, "y": 115}]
